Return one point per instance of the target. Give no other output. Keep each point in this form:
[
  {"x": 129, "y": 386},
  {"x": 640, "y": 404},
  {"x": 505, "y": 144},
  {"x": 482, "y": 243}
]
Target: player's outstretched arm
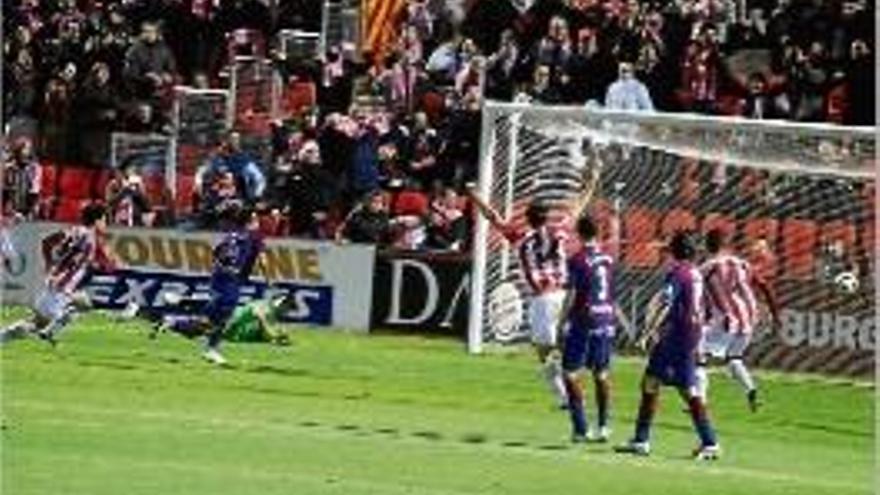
[
  {"x": 589, "y": 183},
  {"x": 487, "y": 211}
]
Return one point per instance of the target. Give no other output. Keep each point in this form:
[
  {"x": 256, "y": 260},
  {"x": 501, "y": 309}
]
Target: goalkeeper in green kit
[{"x": 251, "y": 323}]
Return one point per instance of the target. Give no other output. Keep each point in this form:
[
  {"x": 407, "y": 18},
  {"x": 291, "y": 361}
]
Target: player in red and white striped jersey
[
  {"x": 68, "y": 257},
  {"x": 541, "y": 250},
  {"x": 733, "y": 313}
]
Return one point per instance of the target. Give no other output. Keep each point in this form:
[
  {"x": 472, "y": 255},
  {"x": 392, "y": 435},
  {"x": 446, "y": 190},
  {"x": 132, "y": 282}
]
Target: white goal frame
[{"x": 676, "y": 133}]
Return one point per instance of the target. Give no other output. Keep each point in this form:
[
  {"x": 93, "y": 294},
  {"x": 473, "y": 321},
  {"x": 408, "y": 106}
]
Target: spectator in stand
[
  {"x": 444, "y": 62},
  {"x": 554, "y": 49},
  {"x": 143, "y": 119},
  {"x": 470, "y": 78},
  {"x": 424, "y": 150},
  {"x": 462, "y": 142},
  {"x": 364, "y": 165},
  {"x": 447, "y": 225},
  {"x": 542, "y": 89},
  {"x": 20, "y": 77},
  {"x": 126, "y": 198},
  {"x": 310, "y": 190},
  {"x": 810, "y": 78},
  {"x": 57, "y": 114},
  {"x": 369, "y": 222},
  {"x": 700, "y": 71},
  {"x": 219, "y": 194},
  {"x": 861, "y": 83},
  {"x": 759, "y": 103},
  {"x": 408, "y": 225},
  {"x": 589, "y": 70},
  {"x": 421, "y": 19},
  {"x": 97, "y": 111},
  {"x": 149, "y": 64},
  {"x": 249, "y": 178},
  {"x": 21, "y": 179},
  {"x": 627, "y": 92},
  {"x": 335, "y": 90},
  {"x": 502, "y": 67}
]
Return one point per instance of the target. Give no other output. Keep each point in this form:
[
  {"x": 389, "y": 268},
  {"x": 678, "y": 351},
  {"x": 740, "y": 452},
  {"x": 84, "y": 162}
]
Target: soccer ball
[{"x": 847, "y": 282}]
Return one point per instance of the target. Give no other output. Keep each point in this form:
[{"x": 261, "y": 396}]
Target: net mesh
[
  {"x": 153, "y": 157},
  {"x": 200, "y": 125},
  {"x": 798, "y": 202}
]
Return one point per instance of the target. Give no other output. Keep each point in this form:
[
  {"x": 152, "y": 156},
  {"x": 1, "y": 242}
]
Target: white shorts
[
  {"x": 722, "y": 344},
  {"x": 51, "y": 304},
  {"x": 544, "y": 312}
]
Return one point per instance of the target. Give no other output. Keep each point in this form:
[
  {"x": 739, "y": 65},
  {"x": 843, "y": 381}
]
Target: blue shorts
[
  {"x": 220, "y": 309},
  {"x": 673, "y": 368},
  {"x": 587, "y": 349}
]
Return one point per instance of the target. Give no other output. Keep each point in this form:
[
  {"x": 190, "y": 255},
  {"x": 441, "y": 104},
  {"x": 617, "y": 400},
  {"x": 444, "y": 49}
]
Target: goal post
[{"x": 802, "y": 193}]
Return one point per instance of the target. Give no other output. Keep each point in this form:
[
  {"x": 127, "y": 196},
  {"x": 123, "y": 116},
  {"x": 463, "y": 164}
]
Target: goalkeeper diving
[{"x": 254, "y": 321}]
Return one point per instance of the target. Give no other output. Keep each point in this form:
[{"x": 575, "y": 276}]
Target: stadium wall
[
  {"x": 421, "y": 293},
  {"x": 355, "y": 287},
  {"x": 331, "y": 283}
]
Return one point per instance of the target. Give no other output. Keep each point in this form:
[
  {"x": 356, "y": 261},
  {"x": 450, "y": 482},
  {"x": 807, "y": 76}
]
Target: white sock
[
  {"x": 55, "y": 326},
  {"x": 553, "y": 375},
  {"x": 741, "y": 374},
  {"x": 702, "y": 385}
]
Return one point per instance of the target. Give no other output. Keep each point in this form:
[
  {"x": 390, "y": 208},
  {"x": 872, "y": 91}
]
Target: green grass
[{"x": 111, "y": 412}]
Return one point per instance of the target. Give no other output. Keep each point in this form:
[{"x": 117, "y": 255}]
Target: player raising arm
[
  {"x": 69, "y": 257},
  {"x": 676, "y": 322},
  {"x": 541, "y": 250},
  {"x": 733, "y": 314}
]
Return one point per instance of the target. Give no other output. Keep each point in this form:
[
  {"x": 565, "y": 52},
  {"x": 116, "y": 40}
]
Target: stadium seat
[
  {"x": 68, "y": 210},
  {"x": 99, "y": 182},
  {"x": 410, "y": 203},
  {"x": 155, "y": 188},
  {"x": 74, "y": 182},
  {"x": 48, "y": 179},
  {"x": 186, "y": 185}
]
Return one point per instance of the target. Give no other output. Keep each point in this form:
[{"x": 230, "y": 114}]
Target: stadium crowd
[{"x": 392, "y": 138}]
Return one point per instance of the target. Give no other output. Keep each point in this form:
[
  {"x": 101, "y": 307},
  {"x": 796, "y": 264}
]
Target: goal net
[
  {"x": 797, "y": 201},
  {"x": 153, "y": 156},
  {"x": 200, "y": 122}
]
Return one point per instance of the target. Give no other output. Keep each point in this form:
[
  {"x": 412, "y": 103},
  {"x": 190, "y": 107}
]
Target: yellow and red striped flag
[{"x": 381, "y": 20}]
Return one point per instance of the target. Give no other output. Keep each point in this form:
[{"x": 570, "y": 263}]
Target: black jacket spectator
[{"x": 149, "y": 64}]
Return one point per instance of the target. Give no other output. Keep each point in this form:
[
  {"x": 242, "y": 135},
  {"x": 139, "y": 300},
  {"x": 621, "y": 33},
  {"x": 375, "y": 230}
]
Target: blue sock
[
  {"x": 603, "y": 399},
  {"x": 187, "y": 326},
  {"x": 701, "y": 421},
  {"x": 576, "y": 408},
  {"x": 647, "y": 407}
]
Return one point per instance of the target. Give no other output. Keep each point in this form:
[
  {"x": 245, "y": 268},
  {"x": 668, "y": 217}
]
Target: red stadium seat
[
  {"x": 75, "y": 182},
  {"x": 410, "y": 203},
  {"x": 48, "y": 180},
  {"x": 99, "y": 183},
  {"x": 186, "y": 193},
  {"x": 69, "y": 210}
]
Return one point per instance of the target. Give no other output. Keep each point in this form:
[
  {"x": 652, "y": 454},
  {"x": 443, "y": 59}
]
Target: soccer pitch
[{"x": 112, "y": 412}]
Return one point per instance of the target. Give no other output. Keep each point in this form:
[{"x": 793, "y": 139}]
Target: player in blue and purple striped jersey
[
  {"x": 233, "y": 260},
  {"x": 590, "y": 312},
  {"x": 677, "y": 324}
]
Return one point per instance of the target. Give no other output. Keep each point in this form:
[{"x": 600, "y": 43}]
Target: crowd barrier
[{"x": 357, "y": 288}]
